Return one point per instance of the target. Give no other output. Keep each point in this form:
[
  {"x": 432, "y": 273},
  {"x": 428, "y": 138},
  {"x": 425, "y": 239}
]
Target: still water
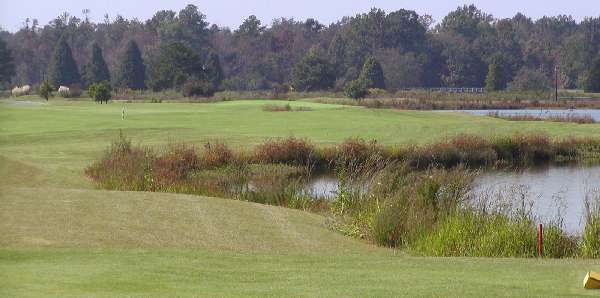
[
  {"x": 550, "y": 190},
  {"x": 543, "y": 113}
]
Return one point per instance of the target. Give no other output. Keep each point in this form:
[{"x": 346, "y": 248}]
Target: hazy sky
[{"x": 231, "y": 12}]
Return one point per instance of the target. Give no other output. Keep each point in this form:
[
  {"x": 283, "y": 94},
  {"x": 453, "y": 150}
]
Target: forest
[{"x": 390, "y": 50}]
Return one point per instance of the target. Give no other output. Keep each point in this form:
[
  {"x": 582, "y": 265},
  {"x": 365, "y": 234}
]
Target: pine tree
[
  {"x": 593, "y": 77},
  {"x": 494, "y": 81},
  {"x": 132, "y": 74},
  {"x": 62, "y": 70},
  {"x": 372, "y": 74},
  {"x": 213, "y": 69},
  {"x": 96, "y": 70},
  {"x": 45, "y": 90},
  {"x": 7, "y": 67},
  {"x": 337, "y": 54},
  {"x": 313, "y": 73}
]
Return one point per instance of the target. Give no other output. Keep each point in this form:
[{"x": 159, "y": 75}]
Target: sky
[{"x": 231, "y": 12}]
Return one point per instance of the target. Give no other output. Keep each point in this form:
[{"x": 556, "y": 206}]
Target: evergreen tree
[
  {"x": 593, "y": 77},
  {"x": 356, "y": 89},
  {"x": 313, "y": 73},
  {"x": 494, "y": 81},
  {"x": 132, "y": 74},
  {"x": 337, "y": 54},
  {"x": 173, "y": 65},
  {"x": 7, "y": 67},
  {"x": 372, "y": 74},
  {"x": 46, "y": 90},
  {"x": 213, "y": 69},
  {"x": 96, "y": 70},
  {"x": 62, "y": 70}
]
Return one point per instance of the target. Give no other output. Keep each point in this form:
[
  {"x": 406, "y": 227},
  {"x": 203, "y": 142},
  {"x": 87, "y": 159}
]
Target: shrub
[
  {"x": 356, "y": 89},
  {"x": 175, "y": 164},
  {"x": 284, "y": 108},
  {"x": 124, "y": 167},
  {"x": 198, "y": 88},
  {"x": 100, "y": 92},
  {"x": 216, "y": 154},
  {"x": 289, "y": 151},
  {"x": 277, "y": 108}
]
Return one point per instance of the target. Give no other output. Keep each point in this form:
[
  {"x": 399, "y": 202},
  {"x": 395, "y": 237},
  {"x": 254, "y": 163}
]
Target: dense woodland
[{"x": 388, "y": 50}]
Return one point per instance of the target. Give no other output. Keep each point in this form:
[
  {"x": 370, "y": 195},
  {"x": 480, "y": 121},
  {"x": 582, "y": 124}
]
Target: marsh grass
[
  {"x": 579, "y": 119},
  {"x": 418, "y": 198},
  {"x": 497, "y": 223},
  {"x": 591, "y": 233}
]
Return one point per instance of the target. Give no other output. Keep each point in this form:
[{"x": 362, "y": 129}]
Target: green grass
[
  {"x": 61, "y": 237},
  {"x": 184, "y": 272}
]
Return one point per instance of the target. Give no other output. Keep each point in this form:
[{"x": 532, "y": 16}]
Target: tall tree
[
  {"x": 593, "y": 77},
  {"x": 173, "y": 65},
  {"x": 62, "y": 70},
  {"x": 132, "y": 73},
  {"x": 372, "y": 74},
  {"x": 96, "y": 70},
  {"x": 313, "y": 73},
  {"x": 337, "y": 54},
  {"x": 213, "y": 69},
  {"x": 7, "y": 67},
  {"x": 494, "y": 81}
]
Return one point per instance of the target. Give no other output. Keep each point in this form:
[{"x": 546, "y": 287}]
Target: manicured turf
[{"x": 61, "y": 237}]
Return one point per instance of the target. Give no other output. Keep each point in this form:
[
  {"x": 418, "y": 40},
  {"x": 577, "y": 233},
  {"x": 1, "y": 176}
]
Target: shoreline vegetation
[
  {"x": 420, "y": 99},
  {"x": 416, "y": 198}
]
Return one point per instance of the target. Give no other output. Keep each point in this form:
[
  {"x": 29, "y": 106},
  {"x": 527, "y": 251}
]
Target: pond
[
  {"x": 543, "y": 113},
  {"x": 550, "y": 190}
]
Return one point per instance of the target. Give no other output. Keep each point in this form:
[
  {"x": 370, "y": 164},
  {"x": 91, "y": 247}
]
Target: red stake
[{"x": 540, "y": 240}]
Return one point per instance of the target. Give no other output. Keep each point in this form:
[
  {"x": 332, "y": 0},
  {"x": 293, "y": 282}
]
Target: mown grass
[
  {"x": 105, "y": 243},
  {"x": 192, "y": 273}
]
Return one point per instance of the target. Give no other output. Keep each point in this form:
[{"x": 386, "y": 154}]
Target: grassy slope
[{"x": 61, "y": 237}]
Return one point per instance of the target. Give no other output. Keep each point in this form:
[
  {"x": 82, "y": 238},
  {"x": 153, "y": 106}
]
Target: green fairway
[{"x": 59, "y": 236}]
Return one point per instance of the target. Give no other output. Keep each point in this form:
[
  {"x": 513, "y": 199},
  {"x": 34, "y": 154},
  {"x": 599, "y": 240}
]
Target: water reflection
[
  {"x": 543, "y": 113},
  {"x": 551, "y": 190}
]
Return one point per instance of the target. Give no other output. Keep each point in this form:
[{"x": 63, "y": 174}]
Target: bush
[
  {"x": 216, "y": 154},
  {"x": 198, "y": 88},
  {"x": 356, "y": 89},
  {"x": 124, "y": 167},
  {"x": 175, "y": 165},
  {"x": 100, "y": 92},
  {"x": 289, "y": 151}
]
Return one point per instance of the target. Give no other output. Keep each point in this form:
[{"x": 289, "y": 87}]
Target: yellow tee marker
[{"x": 591, "y": 280}]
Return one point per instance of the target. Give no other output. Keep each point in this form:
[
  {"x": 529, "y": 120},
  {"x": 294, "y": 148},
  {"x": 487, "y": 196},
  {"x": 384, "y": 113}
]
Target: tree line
[{"x": 376, "y": 49}]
